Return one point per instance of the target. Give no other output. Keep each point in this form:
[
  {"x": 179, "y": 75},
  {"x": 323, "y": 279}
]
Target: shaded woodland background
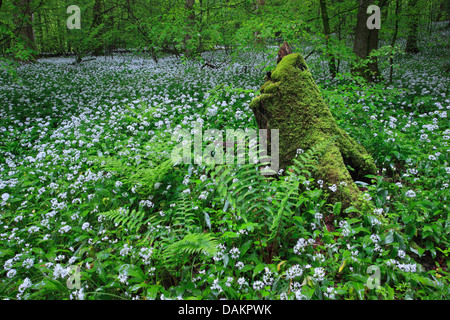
[{"x": 35, "y": 28}]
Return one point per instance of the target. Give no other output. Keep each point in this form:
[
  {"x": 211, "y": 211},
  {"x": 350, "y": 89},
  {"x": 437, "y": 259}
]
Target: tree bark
[
  {"x": 411, "y": 40},
  {"x": 189, "y": 6},
  {"x": 366, "y": 40},
  {"x": 99, "y": 47},
  {"x": 24, "y": 19},
  {"x": 394, "y": 39},
  {"x": 447, "y": 9},
  {"x": 259, "y": 4}
]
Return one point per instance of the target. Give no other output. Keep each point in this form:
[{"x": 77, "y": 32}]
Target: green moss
[
  {"x": 291, "y": 102},
  {"x": 271, "y": 87}
]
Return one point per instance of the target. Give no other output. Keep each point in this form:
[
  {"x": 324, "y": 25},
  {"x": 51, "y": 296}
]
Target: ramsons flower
[{"x": 410, "y": 194}]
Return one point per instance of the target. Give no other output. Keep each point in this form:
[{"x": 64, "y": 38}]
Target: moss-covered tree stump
[{"x": 291, "y": 102}]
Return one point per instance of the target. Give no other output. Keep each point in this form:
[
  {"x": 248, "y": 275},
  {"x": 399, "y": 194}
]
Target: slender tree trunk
[
  {"x": 200, "y": 43},
  {"x": 366, "y": 40},
  {"x": 61, "y": 41},
  {"x": 411, "y": 40},
  {"x": 447, "y": 7},
  {"x": 189, "y": 6},
  {"x": 258, "y": 5},
  {"x": 430, "y": 22},
  {"x": 24, "y": 19},
  {"x": 45, "y": 32},
  {"x": 99, "y": 48},
  {"x": 327, "y": 32},
  {"x": 38, "y": 32},
  {"x": 394, "y": 39},
  {"x": 339, "y": 29}
]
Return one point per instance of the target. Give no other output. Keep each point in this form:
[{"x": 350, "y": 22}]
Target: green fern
[
  {"x": 147, "y": 177},
  {"x": 241, "y": 190},
  {"x": 185, "y": 219},
  {"x": 192, "y": 243},
  {"x": 288, "y": 200},
  {"x": 287, "y": 197},
  {"x": 153, "y": 165},
  {"x": 306, "y": 162}
]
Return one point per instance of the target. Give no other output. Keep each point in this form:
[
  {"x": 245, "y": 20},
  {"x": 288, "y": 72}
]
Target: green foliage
[
  {"x": 10, "y": 67},
  {"x": 191, "y": 244},
  {"x": 132, "y": 220},
  {"x": 86, "y": 180}
]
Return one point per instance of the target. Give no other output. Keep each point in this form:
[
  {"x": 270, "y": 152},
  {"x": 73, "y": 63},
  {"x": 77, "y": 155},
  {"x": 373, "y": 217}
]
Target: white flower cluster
[
  {"x": 60, "y": 272},
  {"x": 294, "y": 271},
  {"x": 234, "y": 253},
  {"x": 23, "y": 286},
  {"x": 146, "y": 253},
  {"x": 300, "y": 246},
  {"x": 346, "y": 229},
  {"x": 146, "y": 203},
  {"x": 267, "y": 280},
  {"x": 258, "y": 285},
  {"x": 220, "y": 252},
  {"x": 267, "y": 277},
  {"x": 330, "y": 293},
  {"x": 376, "y": 239},
  {"x": 319, "y": 274},
  {"x": 406, "y": 267},
  {"x": 410, "y": 194},
  {"x": 216, "y": 286},
  {"x": 241, "y": 281},
  {"x": 125, "y": 250}
]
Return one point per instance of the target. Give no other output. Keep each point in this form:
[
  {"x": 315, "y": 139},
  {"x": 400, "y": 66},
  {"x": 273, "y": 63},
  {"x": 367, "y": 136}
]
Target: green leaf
[
  {"x": 337, "y": 208},
  {"x": 245, "y": 247},
  {"x": 138, "y": 286},
  {"x": 230, "y": 234},
  {"x": 226, "y": 259},
  {"x": 207, "y": 220},
  {"x": 389, "y": 237},
  {"x": 260, "y": 267},
  {"x": 417, "y": 250},
  {"x": 152, "y": 291}
]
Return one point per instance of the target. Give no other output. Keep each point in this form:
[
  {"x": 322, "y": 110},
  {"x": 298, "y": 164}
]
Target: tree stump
[
  {"x": 285, "y": 49},
  {"x": 291, "y": 102}
]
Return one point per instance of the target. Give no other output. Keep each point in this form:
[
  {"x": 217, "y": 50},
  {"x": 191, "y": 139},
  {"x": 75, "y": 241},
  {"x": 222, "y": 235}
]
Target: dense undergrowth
[{"x": 86, "y": 180}]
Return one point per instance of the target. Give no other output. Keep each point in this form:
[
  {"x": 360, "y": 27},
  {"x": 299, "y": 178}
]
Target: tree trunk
[
  {"x": 189, "y": 6},
  {"x": 99, "y": 47},
  {"x": 366, "y": 40},
  {"x": 291, "y": 102},
  {"x": 394, "y": 39},
  {"x": 447, "y": 8},
  {"x": 24, "y": 19},
  {"x": 259, "y": 4},
  {"x": 411, "y": 40},
  {"x": 327, "y": 32}
]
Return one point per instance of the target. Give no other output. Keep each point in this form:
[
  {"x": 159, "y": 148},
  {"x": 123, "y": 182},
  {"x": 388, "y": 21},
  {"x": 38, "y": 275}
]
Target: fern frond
[
  {"x": 192, "y": 243},
  {"x": 185, "y": 218},
  {"x": 151, "y": 166},
  {"x": 241, "y": 188},
  {"x": 306, "y": 162},
  {"x": 131, "y": 220}
]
